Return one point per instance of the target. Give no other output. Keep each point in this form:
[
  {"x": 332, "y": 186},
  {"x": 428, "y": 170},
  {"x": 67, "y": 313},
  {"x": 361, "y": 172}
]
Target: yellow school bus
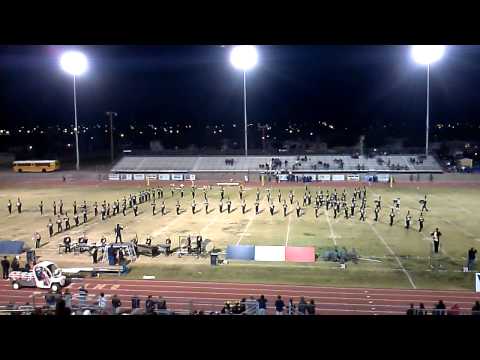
[{"x": 36, "y": 165}]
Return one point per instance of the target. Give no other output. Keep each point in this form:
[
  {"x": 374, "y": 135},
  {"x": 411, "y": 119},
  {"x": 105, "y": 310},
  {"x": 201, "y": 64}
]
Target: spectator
[
  {"x": 102, "y": 301},
  {"x": 15, "y": 264},
  {"x": 311, "y": 308},
  {"x": 476, "y": 308},
  {"x": 116, "y": 303},
  {"x": 67, "y": 298},
  {"x": 454, "y": 310},
  {"x": 421, "y": 310},
  {"x": 226, "y": 308},
  {"x": 440, "y": 308},
  {"x": 161, "y": 304},
  {"x": 411, "y": 311},
  {"x": 279, "y": 306},
  {"x": 135, "y": 302},
  {"x": 262, "y": 305},
  {"x": 149, "y": 305},
  {"x": 5, "y": 267},
  {"x": 302, "y": 306},
  {"x": 61, "y": 308}
]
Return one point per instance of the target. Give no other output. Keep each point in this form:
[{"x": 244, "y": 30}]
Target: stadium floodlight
[
  {"x": 74, "y": 63},
  {"x": 426, "y": 55},
  {"x": 244, "y": 57}
]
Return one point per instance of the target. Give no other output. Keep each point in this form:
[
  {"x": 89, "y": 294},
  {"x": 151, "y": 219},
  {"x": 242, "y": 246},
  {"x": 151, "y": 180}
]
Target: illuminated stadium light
[
  {"x": 427, "y": 54},
  {"x": 74, "y": 62},
  {"x": 244, "y": 57}
]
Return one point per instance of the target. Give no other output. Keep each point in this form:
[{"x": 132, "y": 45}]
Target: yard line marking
[
  {"x": 248, "y": 224},
  {"x": 393, "y": 253},
  {"x": 465, "y": 232},
  {"x": 288, "y": 229},
  {"x": 332, "y": 234}
]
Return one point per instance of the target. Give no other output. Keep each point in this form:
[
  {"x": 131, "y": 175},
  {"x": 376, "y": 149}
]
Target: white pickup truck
[{"x": 44, "y": 275}]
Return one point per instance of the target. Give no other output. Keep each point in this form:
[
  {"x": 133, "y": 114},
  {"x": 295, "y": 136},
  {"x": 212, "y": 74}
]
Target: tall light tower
[
  {"x": 111, "y": 114},
  {"x": 244, "y": 57},
  {"x": 426, "y": 55},
  {"x": 74, "y": 63}
]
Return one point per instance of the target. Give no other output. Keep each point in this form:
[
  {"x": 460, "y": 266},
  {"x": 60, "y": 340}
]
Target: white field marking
[
  {"x": 332, "y": 234},
  {"x": 393, "y": 253},
  {"x": 245, "y": 229},
  {"x": 288, "y": 229}
]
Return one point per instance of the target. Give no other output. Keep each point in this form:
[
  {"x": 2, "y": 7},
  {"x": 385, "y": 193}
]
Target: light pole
[
  {"x": 426, "y": 55},
  {"x": 244, "y": 57},
  {"x": 74, "y": 63},
  {"x": 111, "y": 114}
]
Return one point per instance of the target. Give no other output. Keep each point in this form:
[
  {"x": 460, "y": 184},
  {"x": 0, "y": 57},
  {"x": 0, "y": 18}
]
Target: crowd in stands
[{"x": 84, "y": 304}]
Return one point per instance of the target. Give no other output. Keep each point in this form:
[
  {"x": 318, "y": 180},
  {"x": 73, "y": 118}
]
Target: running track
[{"x": 210, "y": 296}]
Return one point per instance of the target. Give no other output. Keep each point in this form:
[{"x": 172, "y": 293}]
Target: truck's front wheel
[{"x": 15, "y": 285}]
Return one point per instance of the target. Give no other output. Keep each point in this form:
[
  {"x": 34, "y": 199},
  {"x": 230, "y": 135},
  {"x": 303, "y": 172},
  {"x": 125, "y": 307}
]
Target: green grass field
[{"x": 402, "y": 254}]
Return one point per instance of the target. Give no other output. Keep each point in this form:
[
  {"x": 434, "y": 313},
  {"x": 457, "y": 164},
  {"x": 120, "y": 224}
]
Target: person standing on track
[
  {"x": 256, "y": 206},
  {"x": 290, "y": 196},
  {"x": 153, "y": 207},
  {"x": 243, "y": 206},
  {"x": 75, "y": 217},
  {"x": 9, "y": 206},
  {"x": 298, "y": 209},
  {"x": 61, "y": 207},
  {"x": 84, "y": 213},
  {"x": 193, "y": 206},
  {"x": 74, "y": 207},
  {"x": 41, "y": 207},
  {"x": 257, "y": 195},
  {"x": 135, "y": 210},
  {"x": 5, "y": 267},
  {"x": 222, "y": 194},
  {"x": 285, "y": 207},
  {"x": 95, "y": 208},
  {"x": 54, "y": 208},
  {"x": 279, "y": 196}
]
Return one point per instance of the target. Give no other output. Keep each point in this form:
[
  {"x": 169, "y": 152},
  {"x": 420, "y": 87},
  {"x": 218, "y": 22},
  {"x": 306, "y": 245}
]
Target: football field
[{"x": 391, "y": 255}]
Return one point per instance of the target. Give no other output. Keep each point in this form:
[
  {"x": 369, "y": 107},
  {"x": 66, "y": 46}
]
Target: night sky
[{"x": 358, "y": 88}]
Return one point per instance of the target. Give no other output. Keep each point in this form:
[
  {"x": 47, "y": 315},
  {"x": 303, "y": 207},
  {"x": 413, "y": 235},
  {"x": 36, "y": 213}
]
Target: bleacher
[{"x": 295, "y": 164}]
